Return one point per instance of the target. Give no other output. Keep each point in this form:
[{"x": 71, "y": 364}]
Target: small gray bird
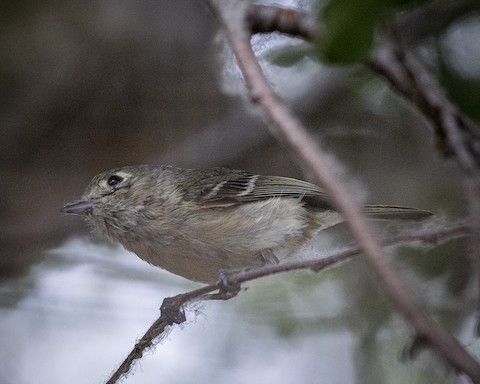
[{"x": 198, "y": 222}]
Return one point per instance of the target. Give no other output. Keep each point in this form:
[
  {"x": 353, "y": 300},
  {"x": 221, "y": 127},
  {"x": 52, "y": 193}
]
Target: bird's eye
[{"x": 114, "y": 180}]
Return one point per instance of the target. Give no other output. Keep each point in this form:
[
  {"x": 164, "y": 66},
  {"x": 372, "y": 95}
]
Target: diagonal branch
[
  {"x": 286, "y": 127},
  {"x": 456, "y": 135}
]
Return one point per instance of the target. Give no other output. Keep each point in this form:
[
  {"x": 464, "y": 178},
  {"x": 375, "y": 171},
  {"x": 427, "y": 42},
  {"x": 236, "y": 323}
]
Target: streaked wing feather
[{"x": 249, "y": 188}]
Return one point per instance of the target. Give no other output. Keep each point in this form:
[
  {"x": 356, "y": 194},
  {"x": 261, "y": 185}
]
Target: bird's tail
[{"x": 395, "y": 212}]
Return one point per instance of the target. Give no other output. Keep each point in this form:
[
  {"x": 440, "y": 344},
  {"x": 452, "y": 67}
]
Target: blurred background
[{"x": 87, "y": 86}]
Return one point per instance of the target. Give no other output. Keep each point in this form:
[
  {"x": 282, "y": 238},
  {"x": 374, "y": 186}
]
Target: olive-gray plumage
[{"x": 195, "y": 223}]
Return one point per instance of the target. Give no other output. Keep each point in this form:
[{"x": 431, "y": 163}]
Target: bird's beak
[{"x": 79, "y": 207}]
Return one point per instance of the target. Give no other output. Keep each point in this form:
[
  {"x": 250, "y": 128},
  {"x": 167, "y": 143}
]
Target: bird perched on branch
[{"x": 197, "y": 222}]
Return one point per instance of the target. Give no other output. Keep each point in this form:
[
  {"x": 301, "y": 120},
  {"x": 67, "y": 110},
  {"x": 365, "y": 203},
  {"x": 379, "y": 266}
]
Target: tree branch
[
  {"x": 171, "y": 313},
  {"x": 290, "y": 131}
]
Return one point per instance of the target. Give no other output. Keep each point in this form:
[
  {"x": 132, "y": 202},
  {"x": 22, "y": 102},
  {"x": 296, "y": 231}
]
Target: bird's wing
[
  {"x": 222, "y": 187},
  {"x": 242, "y": 187}
]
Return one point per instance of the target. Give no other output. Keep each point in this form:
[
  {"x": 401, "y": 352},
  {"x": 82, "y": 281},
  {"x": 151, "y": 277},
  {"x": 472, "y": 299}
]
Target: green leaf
[{"x": 350, "y": 27}]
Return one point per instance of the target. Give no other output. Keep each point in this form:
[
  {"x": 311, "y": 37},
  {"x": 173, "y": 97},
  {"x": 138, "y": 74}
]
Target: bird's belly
[{"x": 236, "y": 237}]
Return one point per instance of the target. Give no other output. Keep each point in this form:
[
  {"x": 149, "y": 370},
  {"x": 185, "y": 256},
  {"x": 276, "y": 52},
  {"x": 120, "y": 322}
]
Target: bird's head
[{"x": 112, "y": 200}]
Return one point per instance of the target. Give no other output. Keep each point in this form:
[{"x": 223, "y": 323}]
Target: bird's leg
[{"x": 228, "y": 278}]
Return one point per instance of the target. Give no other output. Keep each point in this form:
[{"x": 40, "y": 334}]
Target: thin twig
[
  {"x": 286, "y": 127},
  {"x": 171, "y": 313},
  {"x": 172, "y": 309}
]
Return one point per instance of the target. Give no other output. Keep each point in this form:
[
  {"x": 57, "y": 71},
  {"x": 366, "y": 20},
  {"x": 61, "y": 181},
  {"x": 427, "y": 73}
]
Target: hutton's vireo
[{"x": 198, "y": 222}]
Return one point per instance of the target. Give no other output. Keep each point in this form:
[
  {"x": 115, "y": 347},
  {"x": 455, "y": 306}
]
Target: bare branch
[
  {"x": 290, "y": 131},
  {"x": 171, "y": 313},
  {"x": 456, "y": 135}
]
